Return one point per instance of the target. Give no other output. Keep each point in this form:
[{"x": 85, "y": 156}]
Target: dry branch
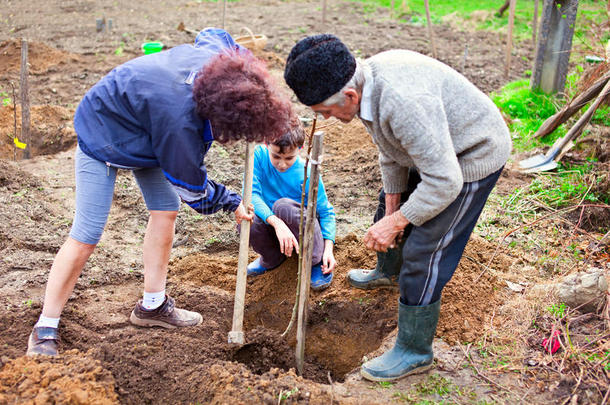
[{"x": 502, "y": 9}]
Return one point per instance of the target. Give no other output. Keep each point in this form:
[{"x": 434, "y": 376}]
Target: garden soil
[{"x": 107, "y": 360}]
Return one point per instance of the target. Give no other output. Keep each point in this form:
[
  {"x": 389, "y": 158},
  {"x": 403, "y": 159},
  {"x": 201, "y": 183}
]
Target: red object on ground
[{"x": 555, "y": 345}]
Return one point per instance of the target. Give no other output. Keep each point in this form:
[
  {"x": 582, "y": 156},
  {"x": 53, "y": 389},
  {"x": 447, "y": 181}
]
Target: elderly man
[{"x": 442, "y": 146}]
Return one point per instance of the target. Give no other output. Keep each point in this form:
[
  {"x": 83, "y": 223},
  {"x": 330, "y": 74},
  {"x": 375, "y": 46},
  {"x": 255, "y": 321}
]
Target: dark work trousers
[
  {"x": 433, "y": 250},
  {"x": 264, "y": 240}
]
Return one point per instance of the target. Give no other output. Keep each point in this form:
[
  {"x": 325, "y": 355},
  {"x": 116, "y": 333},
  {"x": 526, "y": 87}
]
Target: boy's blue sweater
[
  {"x": 269, "y": 185},
  {"x": 142, "y": 114}
]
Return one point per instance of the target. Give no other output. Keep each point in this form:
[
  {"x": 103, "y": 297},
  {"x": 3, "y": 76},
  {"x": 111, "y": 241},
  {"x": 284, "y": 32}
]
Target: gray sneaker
[
  {"x": 166, "y": 316},
  {"x": 43, "y": 340}
]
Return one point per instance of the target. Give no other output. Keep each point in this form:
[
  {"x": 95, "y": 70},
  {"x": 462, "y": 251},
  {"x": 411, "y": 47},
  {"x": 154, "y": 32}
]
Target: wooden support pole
[
  {"x": 236, "y": 335},
  {"x": 509, "y": 36},
  {"x": 535, "y": 22},
  {"x": 392, "y": 5},
  {"x": 25, "y": 100},
  {"x": 312, "y": 198},
  {"x": 430, "y": 31}
]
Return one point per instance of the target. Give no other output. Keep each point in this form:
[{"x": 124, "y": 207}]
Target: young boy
[{"x": 276, "y": 196}]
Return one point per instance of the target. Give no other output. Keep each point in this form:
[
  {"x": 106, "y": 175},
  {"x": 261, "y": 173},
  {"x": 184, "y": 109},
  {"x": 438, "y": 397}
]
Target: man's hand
[
  {"x": 328, "y": 258},
  {"x": 242, "y": 215},
  {"x": 383, "y": 233},
  {"x": 287, "y": 240}
]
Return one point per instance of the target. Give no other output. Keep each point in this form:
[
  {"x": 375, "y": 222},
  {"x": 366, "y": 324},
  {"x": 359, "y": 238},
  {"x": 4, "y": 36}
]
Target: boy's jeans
[{"x": 264, "y": 240}]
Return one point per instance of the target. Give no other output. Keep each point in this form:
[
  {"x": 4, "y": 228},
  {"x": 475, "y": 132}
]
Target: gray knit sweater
[{"x": 421, "y": 113}]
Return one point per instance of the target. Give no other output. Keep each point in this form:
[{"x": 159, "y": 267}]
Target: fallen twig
[
  {"x": 483, "y": 375},
  {"x": 552, "y": 214}
]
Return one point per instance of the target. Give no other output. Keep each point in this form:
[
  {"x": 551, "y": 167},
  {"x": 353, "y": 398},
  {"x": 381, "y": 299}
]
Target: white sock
[
  {"x": 44, "y": 321},
  {"x": 153, "y": 300}
]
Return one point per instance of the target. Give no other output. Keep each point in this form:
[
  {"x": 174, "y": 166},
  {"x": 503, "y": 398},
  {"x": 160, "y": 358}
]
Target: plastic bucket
[{"x": 152, "y": 47}]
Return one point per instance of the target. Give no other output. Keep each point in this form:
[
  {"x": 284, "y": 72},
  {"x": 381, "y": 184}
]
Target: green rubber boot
[
  {"x": 385, "y": 273},
  {"x": 412, "y": 352}
]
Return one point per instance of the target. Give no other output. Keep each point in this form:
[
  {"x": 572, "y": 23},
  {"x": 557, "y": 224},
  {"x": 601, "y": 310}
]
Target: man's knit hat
[{"x": 318, "y": 67}]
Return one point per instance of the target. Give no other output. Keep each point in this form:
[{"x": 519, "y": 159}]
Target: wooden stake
[
  {"x": 25, "y": 99},
  {"x": 236, "y": 335},
  {"x": 324, "y": 11},
  {"x": 392, "y": 5},
  {"x": 305, "y": 280},
  {"x": 509, "y": 36},
  {"x": 535, "y": 22},
  {"x": 430, "y": 32},
  {"x": 224, "y": 12},
  {"x": 14, "y": 120}
]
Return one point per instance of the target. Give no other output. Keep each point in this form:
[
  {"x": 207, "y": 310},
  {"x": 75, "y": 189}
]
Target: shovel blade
[
  {"x": 541, "y": 168},
  {"x": 533, "y": 161}
]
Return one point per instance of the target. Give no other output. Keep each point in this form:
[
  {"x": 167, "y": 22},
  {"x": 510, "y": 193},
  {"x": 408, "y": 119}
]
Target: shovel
[
  {"x": 540, "y": 162},
  {"x": 236, "y": 335}
]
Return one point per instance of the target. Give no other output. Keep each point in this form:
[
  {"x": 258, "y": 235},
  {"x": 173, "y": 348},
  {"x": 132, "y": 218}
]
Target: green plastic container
[{"x": 152, "y": 47}]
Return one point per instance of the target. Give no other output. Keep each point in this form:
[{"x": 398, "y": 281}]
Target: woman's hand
[
  {"x": 383, "y": 233},
  {"x": 328, "y": 258},
  {"x": 242, "y": 215},
  {"x": 288, "y": 242}
]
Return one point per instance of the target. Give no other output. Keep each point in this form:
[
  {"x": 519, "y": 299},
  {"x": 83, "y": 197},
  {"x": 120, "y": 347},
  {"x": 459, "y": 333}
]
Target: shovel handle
[
  {"x": 577, "y": 128},
  {"x": 237, "y": 335}
]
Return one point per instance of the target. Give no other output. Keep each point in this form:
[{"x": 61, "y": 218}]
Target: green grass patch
[
  {"x": 527, "y": 109},
  {"x": 569, "y": 186},
  {"x": 602, "y": 116},
  {"x": 414, "y": 12}
]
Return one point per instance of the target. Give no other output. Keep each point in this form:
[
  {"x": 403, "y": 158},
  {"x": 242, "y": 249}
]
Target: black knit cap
[{"x": 318, "y": 67}]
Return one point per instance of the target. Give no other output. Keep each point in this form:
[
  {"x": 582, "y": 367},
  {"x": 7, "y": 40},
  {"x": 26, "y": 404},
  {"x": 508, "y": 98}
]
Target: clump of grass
[
  {"x": 527, "y": 109},
  {"x": 571, "y": 185}
]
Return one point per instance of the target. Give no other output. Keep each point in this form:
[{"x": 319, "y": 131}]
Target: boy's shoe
[
  {"x": 43, "y": 340},
  {"x": 166, "y": 316},
  {"x": 256, "y": 269},
  {"x": 320, "y": 281}
]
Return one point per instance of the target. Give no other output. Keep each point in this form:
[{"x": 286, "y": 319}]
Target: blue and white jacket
[{"x": 142, "y": 114}]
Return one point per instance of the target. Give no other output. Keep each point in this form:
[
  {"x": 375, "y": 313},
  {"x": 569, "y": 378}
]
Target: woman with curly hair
[{"x": 157, "y": 116}]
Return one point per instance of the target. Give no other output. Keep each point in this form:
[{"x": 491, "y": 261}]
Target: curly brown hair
[{"x": 242, "y": 101}]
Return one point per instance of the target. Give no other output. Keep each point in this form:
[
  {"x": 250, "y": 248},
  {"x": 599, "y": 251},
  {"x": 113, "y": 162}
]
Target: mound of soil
[
  {"x": 72, "y": 378},
  {"x": 51, "y": 131},
  {"x": 41, "y": 57}
]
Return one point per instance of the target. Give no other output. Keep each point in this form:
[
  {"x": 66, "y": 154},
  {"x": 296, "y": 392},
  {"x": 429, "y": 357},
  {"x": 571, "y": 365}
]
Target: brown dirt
[
  {"x": 72, "y": 378},
  {"x": 41, "y": 57},
  {"x": 197, "y": 365},
  {"x": 51, "y": 131}
]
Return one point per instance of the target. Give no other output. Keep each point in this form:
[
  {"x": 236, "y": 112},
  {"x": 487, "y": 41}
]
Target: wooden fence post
[
  {"x": 509, "y": 36},
  {"x": 312, "y": 198},
  {"x": 430, "y": 32},
  {"x": 554, "y": 45},
  {"x": 535, "y": 22},
  {"x": 25, "y": 100}
]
